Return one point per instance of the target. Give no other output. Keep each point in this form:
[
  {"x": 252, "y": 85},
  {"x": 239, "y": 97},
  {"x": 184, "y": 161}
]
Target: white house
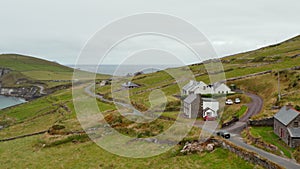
[
  {"x": 221, "y": 88},
  {"x": 210, "y": 107},
  {"x": 194, "y": 87}
]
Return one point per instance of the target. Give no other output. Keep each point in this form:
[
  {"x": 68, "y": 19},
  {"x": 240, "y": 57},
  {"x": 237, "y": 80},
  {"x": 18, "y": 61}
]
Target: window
[
  {"x": 204, "y": 87},
  {"x": 296, "y": 124}
]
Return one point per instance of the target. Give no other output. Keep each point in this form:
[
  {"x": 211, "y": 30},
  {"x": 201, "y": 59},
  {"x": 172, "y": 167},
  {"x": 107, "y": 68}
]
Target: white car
[
  {"x": 229, "y": 102},
  {"x": 237, "y": 100}
]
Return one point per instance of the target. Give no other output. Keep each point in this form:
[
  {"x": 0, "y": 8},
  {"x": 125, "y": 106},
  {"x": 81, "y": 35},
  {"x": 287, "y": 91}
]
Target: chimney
[{"x": 289, "y": 106}]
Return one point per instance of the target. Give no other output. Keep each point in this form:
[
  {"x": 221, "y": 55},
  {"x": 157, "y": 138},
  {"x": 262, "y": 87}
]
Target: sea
[
  {"x": 122, "y": 70},
  {"x": 6, "y": 101}
]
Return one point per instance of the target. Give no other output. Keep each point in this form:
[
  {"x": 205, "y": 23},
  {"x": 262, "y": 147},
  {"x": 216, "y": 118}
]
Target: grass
[
  {"x": 268, "y": 136},
  {"x": 266, "y": 86},
  {"x": 237, "y": 110},
  {"x": 80, "y": 152},
  {"x": 26, "y": 153},
  {"x": 276, "y": 57},
  {"x": 35, "y": 71},
  {"x": 242, "y": 111},
  {"x": 58, "y": 108}
]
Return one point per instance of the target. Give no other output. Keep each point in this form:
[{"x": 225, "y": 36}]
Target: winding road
[{"x": 254, "y": 108}]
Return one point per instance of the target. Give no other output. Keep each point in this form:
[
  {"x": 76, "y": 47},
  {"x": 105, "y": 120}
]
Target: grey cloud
[{"x": 58, "y": 29}]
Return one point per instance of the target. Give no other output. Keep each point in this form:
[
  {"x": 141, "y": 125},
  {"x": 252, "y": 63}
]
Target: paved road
[
  {"x": 254, "y": 108},
  {"x": 287, "y": 163}
]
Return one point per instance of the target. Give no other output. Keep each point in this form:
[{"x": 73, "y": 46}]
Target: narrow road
[
  {"x": 254, "y": 108},
  {"x": 41, "y": 89},
  {"x": 284, "y": 162},
  {"x": 88, "y": 90}
]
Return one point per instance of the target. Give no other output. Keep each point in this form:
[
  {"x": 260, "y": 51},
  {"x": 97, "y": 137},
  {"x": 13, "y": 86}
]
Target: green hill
[
  {"x": 26, "y": 63},
  {"x": 69, "y": 151},
  {"x": 34, "y": 70},
  {"x": 281, "y": 51},
  {"x": 277, "y": 57}
]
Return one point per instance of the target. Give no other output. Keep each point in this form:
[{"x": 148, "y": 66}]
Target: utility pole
[{"x": 279, "y": 95}]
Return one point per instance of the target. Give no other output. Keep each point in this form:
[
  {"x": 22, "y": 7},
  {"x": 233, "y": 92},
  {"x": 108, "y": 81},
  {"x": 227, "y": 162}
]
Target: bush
[
  {"x": 74, "y": 138},
  {"x": 297, "y": 108}
]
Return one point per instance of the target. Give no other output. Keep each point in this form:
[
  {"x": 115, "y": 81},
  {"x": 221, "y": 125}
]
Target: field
[
  {"x": 77, "y": 151},
  {"x": 25, "y": 153}
]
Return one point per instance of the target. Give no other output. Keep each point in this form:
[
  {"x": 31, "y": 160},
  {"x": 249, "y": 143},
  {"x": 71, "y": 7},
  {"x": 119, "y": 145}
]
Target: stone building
[{"x": 287, "y": 125}]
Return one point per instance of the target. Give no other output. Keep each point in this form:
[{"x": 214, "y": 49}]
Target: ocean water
[
  {"x": 122, "y": 70},
  {"x": 10, "y": 101}
]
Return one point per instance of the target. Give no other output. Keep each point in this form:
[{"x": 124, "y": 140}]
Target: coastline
[{"x": 20, "y": 102}]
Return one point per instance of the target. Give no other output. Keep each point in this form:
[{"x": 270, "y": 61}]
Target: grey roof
[
  {"x": 286, "y": 116},
  {"x": 294, "y": 132},
  {"x": 209, "y": 99},
  {"x": 189, "y": 85},
  {"x": 190, "y": 99}
]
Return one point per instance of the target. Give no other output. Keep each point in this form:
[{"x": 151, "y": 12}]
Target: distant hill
[
  {"x": 285, "y": 50},
  {"x": 28, "y": 63},
  {"x": 34, "y": 70}
]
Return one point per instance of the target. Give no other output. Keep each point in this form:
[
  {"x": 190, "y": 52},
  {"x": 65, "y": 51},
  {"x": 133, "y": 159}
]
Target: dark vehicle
[{"x": 224, "y": 134}]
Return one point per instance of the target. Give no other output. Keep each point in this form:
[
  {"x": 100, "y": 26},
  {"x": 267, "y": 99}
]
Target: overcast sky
[{"x": 57, "y": 30}]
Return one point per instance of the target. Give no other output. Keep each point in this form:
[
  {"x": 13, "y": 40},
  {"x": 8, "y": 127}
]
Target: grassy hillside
[
  {"x": 22, "y": 63},
  {"x": 77, "y": 151},
  {"x": 275, "y": 58},
  {"x": 35, "y": 70},
  {"x": 278, "y": 52}
]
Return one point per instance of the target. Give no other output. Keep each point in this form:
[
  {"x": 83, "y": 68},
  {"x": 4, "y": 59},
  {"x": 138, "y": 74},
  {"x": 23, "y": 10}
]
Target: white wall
[{"x": 214, "y": 105}]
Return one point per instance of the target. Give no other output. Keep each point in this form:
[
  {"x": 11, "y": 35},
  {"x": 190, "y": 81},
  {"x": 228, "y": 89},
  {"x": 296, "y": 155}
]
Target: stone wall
[
  {"x": 232, "y": 121},
  {"x": 259, "y": 142},
  {"x": 249, "y": 155},
  {"x": 262, "y": 122}
]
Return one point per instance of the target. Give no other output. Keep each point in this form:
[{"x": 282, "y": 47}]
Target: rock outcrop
[
  {"x": 198, "y": 147},
  {"x": 4, "y": 71}
]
